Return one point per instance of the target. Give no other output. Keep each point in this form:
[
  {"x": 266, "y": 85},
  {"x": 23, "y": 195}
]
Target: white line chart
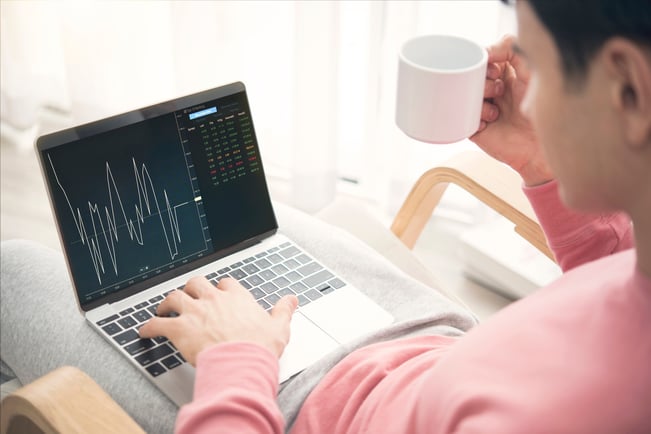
[{"x": 105, "y": 230}]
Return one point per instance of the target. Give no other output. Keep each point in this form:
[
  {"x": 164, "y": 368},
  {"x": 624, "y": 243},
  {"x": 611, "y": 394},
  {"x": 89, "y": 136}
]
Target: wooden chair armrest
[
  {"x": 65, "y": 400},
  {"x": 490, "y": 181}
]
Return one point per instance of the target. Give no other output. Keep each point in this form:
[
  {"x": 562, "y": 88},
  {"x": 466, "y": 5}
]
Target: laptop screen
[{"x": 150, "y": 194}]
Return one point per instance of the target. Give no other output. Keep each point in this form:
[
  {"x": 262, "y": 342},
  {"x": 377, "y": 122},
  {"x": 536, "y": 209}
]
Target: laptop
[{"x": 147, "y": 199}]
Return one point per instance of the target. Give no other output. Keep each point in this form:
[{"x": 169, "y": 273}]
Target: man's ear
[{"x": 629, "y": 69}]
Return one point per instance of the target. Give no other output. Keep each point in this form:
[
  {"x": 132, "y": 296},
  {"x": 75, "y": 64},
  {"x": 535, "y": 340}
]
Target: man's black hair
[{"x": 581, "y": 27}]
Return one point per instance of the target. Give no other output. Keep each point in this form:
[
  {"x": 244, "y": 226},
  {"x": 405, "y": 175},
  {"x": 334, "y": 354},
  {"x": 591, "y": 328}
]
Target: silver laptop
[{"x": 146, "y": 199}]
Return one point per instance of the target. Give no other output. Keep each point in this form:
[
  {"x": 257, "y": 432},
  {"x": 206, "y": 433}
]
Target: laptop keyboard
[{"x": 269, "y": 275}]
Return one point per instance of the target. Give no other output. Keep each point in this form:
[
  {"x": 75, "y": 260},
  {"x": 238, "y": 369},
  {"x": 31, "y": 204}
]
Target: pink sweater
[{"x": 574, "y": 357}]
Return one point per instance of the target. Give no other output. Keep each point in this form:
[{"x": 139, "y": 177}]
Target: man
[{"x": 575, "y": 122}]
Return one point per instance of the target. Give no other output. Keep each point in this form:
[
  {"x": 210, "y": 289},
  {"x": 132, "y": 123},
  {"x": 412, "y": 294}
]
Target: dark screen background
[
  {"x": 239, "y": 208},
  {"x": 197, "y": 217}
]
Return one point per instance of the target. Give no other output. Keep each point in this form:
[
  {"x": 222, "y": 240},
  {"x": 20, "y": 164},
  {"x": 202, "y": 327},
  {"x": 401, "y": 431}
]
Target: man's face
[{"x": 571, "y": 120}]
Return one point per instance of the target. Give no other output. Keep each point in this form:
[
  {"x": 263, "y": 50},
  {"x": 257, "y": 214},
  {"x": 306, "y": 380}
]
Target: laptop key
[
  {"x": 139, "y": 346},
  {"x": 262, "y": 263},
  {"x": 293, "y": 276},
  {"x": 298, "y": 287},
  {"x": 275, "y": 258},
  {"x": 310, "y": 268},
  {"x": 291, "y": 263},
  {"x": 317, "y": 278},
  {"x": 245, "y": 284},
  {"x": 257, "y": 293},
  {"x": 112, "y": 328},
  {"x": 273, "y": 249},
  {"x": 153, "y": 309},
  {"x": 255, "y": 280},
  {"x": 127, "y": 322},
  {"x": 156, "y": 369},
  {"x": 224, "y": 270},
  {"x": 302, "y": 300},
  {"x": 171, "y": 362},
  {"x": 325, "y": 288},
  {"x": 238, "y": 274},
  {"x": 236, "y": 265},
  {"x": 126, "y": 337},
  {"x": 211, "y": 276},
  {"x": 303, "y": 258},
  {"x": 336, "y": 283},
  {"x": 313, "y": 294},
  {"x": 155, "y": 354},
  {"x": 126, "y": 311},
  {"x": 180, "y": 356},
  {"x": 272, "y": 299},
  {"x": 281, "y": 282},
  {"x": 285, "y": 244},
  {"x": 289, "y": 252},
  {"x": 142, "y": 315},
  {"x": 160, "y": 339},
  {"x": 107, "y": 320},
  {"x": 279, "y": 269},
  {"x": 156, "y": 299},
  {"x": 269, "y": 287},
  {"x": 267, "y": 274},
  {"x": 285, "y": 291},
  {"x": 247, "y": 260},
  {"x": 141, "y": 305},
  {"x": 250, "y": 269}
]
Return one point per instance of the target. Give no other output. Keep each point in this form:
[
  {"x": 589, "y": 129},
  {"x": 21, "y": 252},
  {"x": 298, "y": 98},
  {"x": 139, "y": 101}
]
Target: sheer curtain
[{"x": 320, "y": 75}]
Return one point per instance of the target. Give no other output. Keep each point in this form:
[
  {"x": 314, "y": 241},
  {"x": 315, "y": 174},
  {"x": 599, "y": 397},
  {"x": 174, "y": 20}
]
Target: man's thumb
[{"x": 285, "y": 307}]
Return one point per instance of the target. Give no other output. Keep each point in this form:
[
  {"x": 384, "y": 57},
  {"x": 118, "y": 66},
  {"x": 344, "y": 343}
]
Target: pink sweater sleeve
[
  {"x": 235, "y": 392},
  {"x": 577, "y": 238}
]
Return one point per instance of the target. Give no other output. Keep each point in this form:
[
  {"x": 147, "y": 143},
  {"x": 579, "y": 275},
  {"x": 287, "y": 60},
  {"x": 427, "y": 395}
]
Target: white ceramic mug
[{"x": 440, "y": 88}]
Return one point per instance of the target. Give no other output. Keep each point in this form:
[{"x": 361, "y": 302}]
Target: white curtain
[{"x": 321, "y": 75}]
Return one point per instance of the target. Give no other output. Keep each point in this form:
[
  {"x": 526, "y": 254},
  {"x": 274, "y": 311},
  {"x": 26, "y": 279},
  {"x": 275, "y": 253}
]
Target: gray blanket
[{"x": 42, "y": 329}]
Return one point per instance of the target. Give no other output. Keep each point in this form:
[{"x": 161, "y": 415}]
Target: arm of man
[
  {"x": 235, "y": 392},
  {"x": 507, "y": 135},
  {"x": 577, "y": 238}
]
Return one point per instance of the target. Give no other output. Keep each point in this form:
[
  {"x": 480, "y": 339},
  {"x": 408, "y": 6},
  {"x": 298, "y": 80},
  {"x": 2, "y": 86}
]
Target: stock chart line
[{"x": 109, "y": 231}]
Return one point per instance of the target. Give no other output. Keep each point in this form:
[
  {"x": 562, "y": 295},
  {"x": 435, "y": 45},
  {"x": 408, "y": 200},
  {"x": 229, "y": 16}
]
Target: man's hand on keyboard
[{"x": 209, "y": 315}]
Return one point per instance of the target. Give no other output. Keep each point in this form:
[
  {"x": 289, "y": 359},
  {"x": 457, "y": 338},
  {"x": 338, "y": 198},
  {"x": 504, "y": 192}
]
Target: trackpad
[
  {"x": 307, "y": 344},
  {"x": 347, "y": 314}
]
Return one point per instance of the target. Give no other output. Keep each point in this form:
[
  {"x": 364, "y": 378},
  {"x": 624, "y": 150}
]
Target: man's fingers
[
  {"x": 505, "y": 62},
  {"x": 157, "y": 326},
  {"x": 494, "y": 70},
  {"x": 196, "y": 286},
  {"x": 502, "y": 51},
  {"x": 285, "y": 308},
  {"x": 489, "y": 112},
  {"x": 174, "y": 302},
  {"x": 228, "y": 283},
  {"x": 493, "y": 88}
]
